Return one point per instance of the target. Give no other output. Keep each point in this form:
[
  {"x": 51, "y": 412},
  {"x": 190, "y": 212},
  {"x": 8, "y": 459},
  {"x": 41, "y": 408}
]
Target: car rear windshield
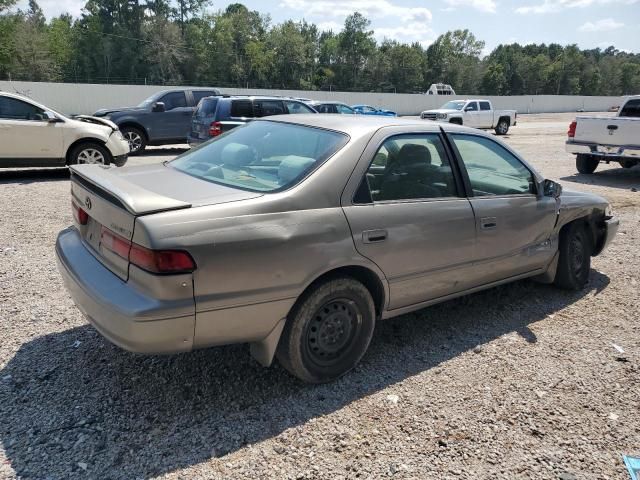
[
  {"x": 206, "y": 107},
  {"x": 261, "y": 156}
]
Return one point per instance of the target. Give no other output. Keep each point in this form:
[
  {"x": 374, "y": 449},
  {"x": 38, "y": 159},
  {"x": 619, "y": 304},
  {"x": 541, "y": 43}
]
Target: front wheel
[
  {"x": 136, "y": 138},
  {"x": 586, "y": 164},
  {"x": 574, "y": 262},
  {"x": 90, "y": 153},
  {"x": 328, "y": 331},
  {"x": 502, "y": 127}
]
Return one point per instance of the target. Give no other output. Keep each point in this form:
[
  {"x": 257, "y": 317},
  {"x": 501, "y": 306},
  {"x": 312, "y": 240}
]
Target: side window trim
[
  {"x": 449, "y": 156},
  {"x": 465, "y": 174}
]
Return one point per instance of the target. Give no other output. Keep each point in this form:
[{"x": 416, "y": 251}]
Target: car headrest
[
  {"x": 237, "y": 155},
  {"x": 293, "y": 166},
  {"x": 413, "y": 153}
]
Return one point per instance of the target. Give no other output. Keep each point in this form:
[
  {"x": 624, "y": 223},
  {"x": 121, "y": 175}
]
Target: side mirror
[
  {"x": 551, "y": 189},
  {"x": 468, "y": 109},
  {"x": 51, "y": 117},
  {"x": 158, "y": 107}
]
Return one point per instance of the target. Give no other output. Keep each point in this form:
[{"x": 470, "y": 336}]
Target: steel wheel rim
[
  {"x": 90, "y": 156},
  {"x": 332, "y": 331},
  {"x": 134, "y": 139}
]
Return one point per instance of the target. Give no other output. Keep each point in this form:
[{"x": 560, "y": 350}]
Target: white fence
[{"x": 87, "y": 98}]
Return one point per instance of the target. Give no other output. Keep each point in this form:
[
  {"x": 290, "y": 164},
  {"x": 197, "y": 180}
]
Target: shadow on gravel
[
  {"x": 34, "y": 175},
  {"x": 70, "y": 401},
  {"x": 624, "y": 178}
]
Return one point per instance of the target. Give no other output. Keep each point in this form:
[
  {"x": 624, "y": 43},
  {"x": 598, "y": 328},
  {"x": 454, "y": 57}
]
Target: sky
[{"x": 589, "y": 23}]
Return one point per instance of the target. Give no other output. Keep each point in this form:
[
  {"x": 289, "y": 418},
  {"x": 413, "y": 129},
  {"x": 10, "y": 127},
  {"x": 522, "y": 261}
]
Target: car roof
[{"x": 328, "y": 102}]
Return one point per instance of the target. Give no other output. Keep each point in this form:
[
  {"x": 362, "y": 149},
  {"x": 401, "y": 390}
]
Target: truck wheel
[
  {"x": 89, "y": 153},
  {"x": 627, "y": 163},
  {"x": 574, "y": 262},
  {"x": 328, "y": 331},
  {"x": 502, "y": 127},
  {"x": 136, "y": 138},
  {"x": 586, "y": 163},
  {"x": 456, "y": 121}
]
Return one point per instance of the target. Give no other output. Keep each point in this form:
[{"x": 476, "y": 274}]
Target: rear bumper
[
  {"x": 126, "y": 317},
  {"x": 604, "y": 151}
]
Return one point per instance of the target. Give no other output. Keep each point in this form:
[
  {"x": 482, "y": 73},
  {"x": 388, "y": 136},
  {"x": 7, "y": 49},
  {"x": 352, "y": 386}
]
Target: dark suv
[
  {"x": 162, "y": 119},
  {"x": 218, "y": 114}
]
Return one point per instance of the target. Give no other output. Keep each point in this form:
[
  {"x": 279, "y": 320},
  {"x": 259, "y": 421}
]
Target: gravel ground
[{"x": 521, "y": 381}]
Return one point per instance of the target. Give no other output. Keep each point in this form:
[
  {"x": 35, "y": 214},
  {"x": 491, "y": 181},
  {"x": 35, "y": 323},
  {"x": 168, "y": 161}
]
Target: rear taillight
[
  {"x": 79, "y": 214},
  {"x": 572, "y": 129},
  {"x": 154, "y": 261},
  {"x": 215, "y": 129}
]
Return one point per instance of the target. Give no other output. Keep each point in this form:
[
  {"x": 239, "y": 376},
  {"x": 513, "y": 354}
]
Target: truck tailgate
[{"x": 617, "y": 131}]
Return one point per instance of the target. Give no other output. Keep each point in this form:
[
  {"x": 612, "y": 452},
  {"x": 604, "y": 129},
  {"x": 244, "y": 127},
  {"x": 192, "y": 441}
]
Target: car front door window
[
  {"x": 13, "y": 109},
  {"x": 297, "y": 107},
  {"x": 492, "y": 169},
  {"x": 343, "y": 109},
  {"x": 173, "y": 100}
]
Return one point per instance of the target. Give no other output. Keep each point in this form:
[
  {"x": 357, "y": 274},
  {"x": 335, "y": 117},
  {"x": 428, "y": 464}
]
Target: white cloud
[
  {"x": 548, "y": 6},
  {"x": 482, "y": 5},
  {"x": 408, "y": 33},
  {"x": 369, "y": 8},
  {"x": 604, "y": 25}
]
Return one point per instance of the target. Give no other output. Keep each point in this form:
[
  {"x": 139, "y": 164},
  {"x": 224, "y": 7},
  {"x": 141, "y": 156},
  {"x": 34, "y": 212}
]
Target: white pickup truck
[
  {"x": 473, "y": 113},
  {"x": 607, "y": 139}
]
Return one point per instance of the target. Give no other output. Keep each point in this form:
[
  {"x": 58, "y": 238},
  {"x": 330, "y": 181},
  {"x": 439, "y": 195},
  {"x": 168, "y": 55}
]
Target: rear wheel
[
  {"x": 586, "y": 163},
  {"x": 328, "y": 332},
  {"x": 502, "y": 127},
  {"x": 136, "y": 138},
  {"x": 574, "y": 262},
  {"x": 90, "y": 153}
]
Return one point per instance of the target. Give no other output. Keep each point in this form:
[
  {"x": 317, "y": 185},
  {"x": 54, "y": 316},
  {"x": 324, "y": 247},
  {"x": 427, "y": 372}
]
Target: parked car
[
  {"x": 606, "y": 139},
  {"x": 369, "y": 110},
  {"x": 32, "y": 135},
  {"x": 440, "y": 89},
  {"x": 296, "y": 234},
  {"x": 333, "y": 107},
  {"x": 217, "y": 115},
  {"x": 162, "y": 119},
  {"x": 474, "y": 113}
]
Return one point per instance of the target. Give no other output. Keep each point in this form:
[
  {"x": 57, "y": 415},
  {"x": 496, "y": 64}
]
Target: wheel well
[
  {"x": 457, "y": 121},
  {"x": 508, "y": 119},
  {"x": 80, "y": 142},
  {"x": 593, "y": 225},
  {"x": 365, "y": 276},
  {"x": 137, "y": 126}
]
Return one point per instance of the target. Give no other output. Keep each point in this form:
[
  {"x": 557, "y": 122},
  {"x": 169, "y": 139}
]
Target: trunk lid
[
  {"x": 614, "y": 131},
  {"x": 113, "y": 197}
]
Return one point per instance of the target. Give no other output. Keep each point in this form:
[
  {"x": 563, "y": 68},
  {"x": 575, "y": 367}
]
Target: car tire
[
  {"x": 456, "y": 121},
  {"x": 328, "y": 330},
  {"x": 574, "y": 262},
  {"x": 586, "y": 164},
  {"x": 502, "y": 128},
  {"x": 90, "y": 153},
  {"x": 627, "y": 163},
  {"x": 136, "y": 138}
]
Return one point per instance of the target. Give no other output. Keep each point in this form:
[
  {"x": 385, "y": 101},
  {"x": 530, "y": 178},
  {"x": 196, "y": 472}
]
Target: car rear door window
[
  {"x": 297, "y": 107},
  {"x": 484, "y": 106},
  {"x": 173, "y": 100},
  {"x": 264, "y": 108},
  {"x": 242, "y": 109},
  {"x": 631, "y": 109},
  {"x": 491, "y": 168},
  {"x": 13, "y": 109},
  {"x": 411, "y": 166}
]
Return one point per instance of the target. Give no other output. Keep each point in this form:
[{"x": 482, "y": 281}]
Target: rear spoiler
[{"x": 100, "y": 180}]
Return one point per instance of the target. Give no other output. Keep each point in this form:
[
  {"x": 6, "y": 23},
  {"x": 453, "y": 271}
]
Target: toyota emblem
[{"x": 87, "y": 203}]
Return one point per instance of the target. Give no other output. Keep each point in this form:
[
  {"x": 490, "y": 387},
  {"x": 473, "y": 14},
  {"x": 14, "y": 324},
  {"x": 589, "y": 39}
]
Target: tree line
[{"x": 178, "y": 42}]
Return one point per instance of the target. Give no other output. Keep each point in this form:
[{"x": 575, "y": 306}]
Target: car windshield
[
  {"x": 148, "y": 101},
  {"x": 261, "y": 156},
  {"x": 455, "y": 105}
]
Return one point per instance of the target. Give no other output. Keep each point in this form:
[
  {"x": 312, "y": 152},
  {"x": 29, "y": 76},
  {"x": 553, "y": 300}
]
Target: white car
[
  {"x": 607, "y": 139},
  {"x": 476, "y": 113},
  {"x": 32, "y": 135}
]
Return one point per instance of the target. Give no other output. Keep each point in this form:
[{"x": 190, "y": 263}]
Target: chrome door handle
[
  {"x": 374, "y": 236},
  {"x": 488, "y": 223}
]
